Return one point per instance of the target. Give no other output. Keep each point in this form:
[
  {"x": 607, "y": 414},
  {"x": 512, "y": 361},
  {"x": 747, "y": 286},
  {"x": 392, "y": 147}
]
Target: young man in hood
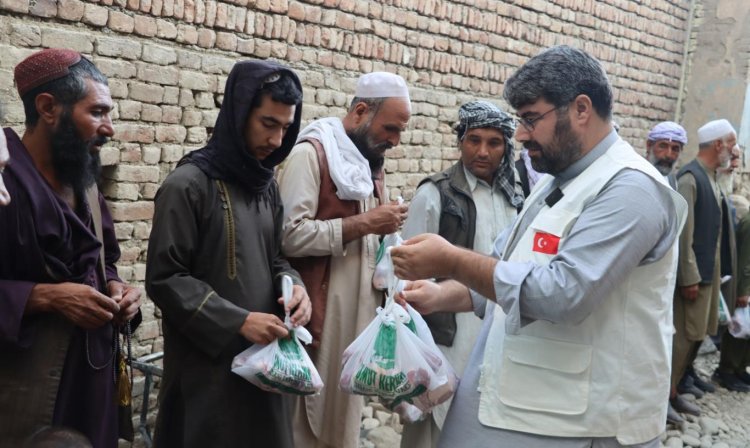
[{"x": 215, "y": 265}]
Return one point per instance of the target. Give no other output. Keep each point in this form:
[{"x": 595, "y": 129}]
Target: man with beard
[
  {"x": 215, "y": 268},
  {"x": 705, "y": 256},
  {"x": 335, "y": 207},
  {"x": 575, "y": 346},
  {"x": 61, "y": 302},
  {"x": 663, "y": 147},
  {"x": 468, "y": 204}
]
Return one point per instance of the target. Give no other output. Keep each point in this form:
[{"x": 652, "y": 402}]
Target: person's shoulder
[{"x": 185, "y": 177}]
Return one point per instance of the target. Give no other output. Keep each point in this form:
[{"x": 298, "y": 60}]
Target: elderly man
[
  {"x": 468, "y": 204},
  {"x": 61, "y": 302},
  {"x": 215, "y": 267},
  {"x": 335, "y": 207},
  {"x": 700, "y": 268},
  {"x": 575, "y": 345},
  {"x": 663, "y": 147}
]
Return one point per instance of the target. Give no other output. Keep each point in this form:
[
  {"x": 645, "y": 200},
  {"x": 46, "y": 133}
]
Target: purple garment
[
  {"x": 43, "y": 240},
  {"x": 668, "y": 130}
]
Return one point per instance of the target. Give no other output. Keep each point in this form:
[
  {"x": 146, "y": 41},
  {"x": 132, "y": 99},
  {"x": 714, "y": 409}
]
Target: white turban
[{"x": 714, "y": 130}]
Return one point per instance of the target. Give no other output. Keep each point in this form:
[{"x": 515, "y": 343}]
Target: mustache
[
  {"x": 99, "y": 140},
  {"x": 532, "y": 145}
]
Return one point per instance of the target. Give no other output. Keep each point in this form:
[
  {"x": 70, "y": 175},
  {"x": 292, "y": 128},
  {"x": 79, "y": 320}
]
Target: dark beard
[
  {"x": 368, "y": 149},
  {"x": 75, "y": 165},
  {"x": 567, "y": 149}
]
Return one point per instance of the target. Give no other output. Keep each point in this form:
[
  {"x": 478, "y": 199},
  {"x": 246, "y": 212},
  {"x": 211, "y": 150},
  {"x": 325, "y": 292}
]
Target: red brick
[
  {"x": 70, "y": 10},
  {"x": 121, "y": 22}
]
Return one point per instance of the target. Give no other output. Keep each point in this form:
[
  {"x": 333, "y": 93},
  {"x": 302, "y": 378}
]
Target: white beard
[{"x": 726, "y": 182}]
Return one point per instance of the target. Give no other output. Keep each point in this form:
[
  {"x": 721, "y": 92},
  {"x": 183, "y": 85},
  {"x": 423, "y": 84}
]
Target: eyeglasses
[{"x": 530, "y": 123}]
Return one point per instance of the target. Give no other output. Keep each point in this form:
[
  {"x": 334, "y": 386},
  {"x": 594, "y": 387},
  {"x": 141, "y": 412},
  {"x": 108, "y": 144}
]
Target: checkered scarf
[{"x": 482, "y": 114}]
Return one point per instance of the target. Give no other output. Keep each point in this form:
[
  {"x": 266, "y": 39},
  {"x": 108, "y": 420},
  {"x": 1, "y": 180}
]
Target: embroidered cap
[{"x": 43, "y": 67}]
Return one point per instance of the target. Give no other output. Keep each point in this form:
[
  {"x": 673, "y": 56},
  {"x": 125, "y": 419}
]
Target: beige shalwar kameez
[
  {"x": 331, "y": 419},
  {"x": 694, "y": 320}
]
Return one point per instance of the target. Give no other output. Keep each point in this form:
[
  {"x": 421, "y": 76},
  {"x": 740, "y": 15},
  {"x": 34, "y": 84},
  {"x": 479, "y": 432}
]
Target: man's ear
[
  {"x": 361, "y": 111},
  {"x": 48, "y": 108},
  {"x": 583, "y": 109}
]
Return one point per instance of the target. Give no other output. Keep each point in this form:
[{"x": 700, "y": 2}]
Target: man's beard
[
  {"x": 75, "y": 165},
  {"x": 567, "y": 149},
  {"x": 371, "y": 151},
  {"x": 664, "y": 166},
  {"x": 725, "y": 179}
]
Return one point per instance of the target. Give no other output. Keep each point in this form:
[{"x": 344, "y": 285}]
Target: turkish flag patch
[{"x": 546, "y": 243}]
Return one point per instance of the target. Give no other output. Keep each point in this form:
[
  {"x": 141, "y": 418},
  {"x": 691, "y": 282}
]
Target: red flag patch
[{"x": 546, "y": 243}]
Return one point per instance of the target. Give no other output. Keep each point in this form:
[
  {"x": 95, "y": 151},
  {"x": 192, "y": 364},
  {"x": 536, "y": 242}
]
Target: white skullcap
[
  {"x": 714, "y": 130},
  {"x": 381, "y": 85}
]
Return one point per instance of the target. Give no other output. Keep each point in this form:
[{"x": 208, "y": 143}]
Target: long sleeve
[
  {"x": 687, "y": 266},
  {"x": 424, "y": 212},
  {"x": 111, "y": 248},
  {"x": 743, "y": 257},
  {"x": 299, "y": 185},
  {"x": 280, "y": 265},
  {"x": 613, "y": 235},
  {"x": 189, "y": 304}
]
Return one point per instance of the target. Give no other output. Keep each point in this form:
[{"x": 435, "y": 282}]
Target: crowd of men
[{"x": 570, "y": 287}]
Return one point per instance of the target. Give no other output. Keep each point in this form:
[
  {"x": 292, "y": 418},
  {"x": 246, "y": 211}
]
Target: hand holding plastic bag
[
  {"x": 390, "y": 360},
  {"x": 739, "y": 327},
  {"x": 283, "y": 366},
  {"x": 382, "y": 267}
]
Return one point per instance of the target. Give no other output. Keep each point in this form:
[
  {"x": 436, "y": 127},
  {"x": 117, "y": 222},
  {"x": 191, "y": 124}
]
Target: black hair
[
  {"x": 283, "y": 90},
  {"x": 558, "y": 75},
  {"x": 67, "y": 90}
]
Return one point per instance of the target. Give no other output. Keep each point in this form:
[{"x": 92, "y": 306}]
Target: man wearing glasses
[{"x": 575, "y": 345}]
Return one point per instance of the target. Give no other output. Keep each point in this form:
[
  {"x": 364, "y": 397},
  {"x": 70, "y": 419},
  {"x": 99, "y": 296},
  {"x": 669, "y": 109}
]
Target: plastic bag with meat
[{"x": 283, "y": 366}]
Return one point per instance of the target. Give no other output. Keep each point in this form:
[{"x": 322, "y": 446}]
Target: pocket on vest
[{"x": 545, "y": 375}]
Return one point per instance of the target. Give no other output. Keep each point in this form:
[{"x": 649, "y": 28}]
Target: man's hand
[
  {"x": 380, "y": 220},
  {"x": 263, "y": 328},
  {"x": 742, "y": 301},
  {"x": 81, "y": 304},
  {"x": 422, "y": 295},
  {"x": 689, "y": 293},
  {"x": 127, "y": 297},
  {"x": 300, "y": 301},
  {"x": 428, "y": 297},
  {"x": 386, "y": 219},
  {"x": 424, "y": 256}
]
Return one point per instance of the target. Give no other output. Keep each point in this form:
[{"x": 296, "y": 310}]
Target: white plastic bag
[
  {"x": 382, "y": 269},
  {"x": 391, "y": 360},
  {"x": 443, "y": 385},
  {"x": 739, "y": 327},
  {"x": 283, "y": 366},
  {"x": 724, "y": 317}
]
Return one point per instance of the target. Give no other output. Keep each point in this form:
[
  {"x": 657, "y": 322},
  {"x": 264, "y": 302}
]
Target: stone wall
[{"x": 167, "y": 61}]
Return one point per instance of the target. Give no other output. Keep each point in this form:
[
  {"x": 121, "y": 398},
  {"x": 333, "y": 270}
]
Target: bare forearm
[
  {"x": 455, "y": 297},
  {"x": 40, "y": 299},
  {"x": 354, "y": 227},
  {"x": 474, "y": 270}
]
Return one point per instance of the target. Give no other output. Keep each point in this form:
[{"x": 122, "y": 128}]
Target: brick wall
[{"x": 167, "y": 61}]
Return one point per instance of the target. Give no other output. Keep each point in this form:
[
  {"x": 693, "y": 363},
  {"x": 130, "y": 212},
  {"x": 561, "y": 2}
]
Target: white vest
[{"x": 607, "y": 376}]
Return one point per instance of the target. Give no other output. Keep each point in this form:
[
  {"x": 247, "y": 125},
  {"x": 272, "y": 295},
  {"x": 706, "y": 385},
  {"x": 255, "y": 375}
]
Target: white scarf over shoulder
[{"x": 349, "y": 169}]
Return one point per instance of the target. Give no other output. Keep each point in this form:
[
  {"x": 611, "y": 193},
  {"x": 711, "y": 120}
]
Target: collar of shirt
[
  {"x": 473, "y": 180},
  {"x": 581, "y": 164}
]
